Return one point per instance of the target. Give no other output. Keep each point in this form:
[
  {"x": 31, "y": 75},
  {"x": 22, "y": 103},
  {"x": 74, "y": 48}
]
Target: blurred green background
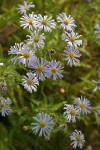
[{"x": 15, "y": 129}]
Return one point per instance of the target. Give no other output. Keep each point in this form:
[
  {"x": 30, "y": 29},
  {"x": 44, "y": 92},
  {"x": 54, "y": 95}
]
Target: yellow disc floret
[
  {"x": 19, "y": 54},
  {"x": 82, "y": 105},
  {"x": 78, "y": 138},
  {"x": 30, "y": 21},
  {"x": 26, "y": 55},
  {"x": 72, "y": 39},
  {"x": 73, "y": 112},
  {"x": 54, "y": 70},
  {"x": 42, "y": 124},
  {"x": 40, "y": 69},
  {"x": 44, "y": 21},
  {"x": 66, "y": 22},
  {"x": 29, "y": 82},
  {"x": 72, "y": 55},
  {"x": 36, "y": 39}
]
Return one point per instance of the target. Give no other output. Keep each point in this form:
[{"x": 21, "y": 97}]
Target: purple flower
[
  {"x": 72, "y": 55},
  {"x": 54, "y": 69},
  {"x": 39, "y": 66},
  {"x": 77, "y": 139},
  {"x": 83, "y": 105},
  {"x": 5, "y": 106}
]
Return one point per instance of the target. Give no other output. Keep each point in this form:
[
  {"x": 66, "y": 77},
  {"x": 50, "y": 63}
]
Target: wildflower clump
[
  {"x": 32, "y": 55},
  {"x": 48, "y": 55}
]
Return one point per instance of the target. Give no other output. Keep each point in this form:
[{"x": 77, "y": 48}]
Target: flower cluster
[
  {"x": 82, "y": 106},
  {"x": 32, "y": 54},
  {"x": 26, "y": 53},
  {"x": 71, "y": 38}
]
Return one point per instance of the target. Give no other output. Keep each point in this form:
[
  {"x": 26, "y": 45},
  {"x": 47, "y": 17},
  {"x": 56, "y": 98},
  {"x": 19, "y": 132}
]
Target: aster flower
[
  {"x": 70, "y": 113},
  {"x": 83, "y": 105},
  {"x": 72, "y": 55},
  {"x": 67, "y": 23},
  {"x": 39, "y": 66},
  {"x": 30, "y": 82},
  {"x": 72, "y": 39},
  {"x": 27, "y": 21},
  {"x": 17, "y": 51},
  {"x": 36, "y": 40},
  {"x": 45, "y": 23},
  {"x": 44, "y": 124},
  {"x": 27, "y": 55},
  {"x": 97, "y": 31},
  {"x": 77, "y": 139},
  {"x": 54, "y": 69},
  {"x": 97, "y": 85},
  {"x": 5, "y": 106},
  {"x": 23, "y": 8}
]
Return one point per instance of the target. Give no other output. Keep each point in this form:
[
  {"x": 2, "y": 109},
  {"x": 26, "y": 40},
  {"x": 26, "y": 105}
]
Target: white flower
[
  {"x": 97, "y": 84},
  {"x": 72, "y": 39},
  {"x": 30, "y": 82},
  {"x": 5, "y": 106},
  {"x": 67, "y": 23},
  {"x": 36, "y": 40},
  {"x": 1, "y": 64},
  {"x": 44, "y": 123},
  {"x": 39, "y": 66},
  {"x": 83, "y": 105},
  {"x": 45, "y": 23},
  {"x": 28, "y": 21},
  {"x": 27, "y": 55},
  {"x": 23, "y": 8},
  {"x": 97, "y": 31},
  {"x": 23, "y": 53},
  {"x": 54, "y": 69},
  {"x": 70, "y": 113},
  {"x": 72, "y": 55},
  {"x": 17, "y": 51},
  {"x": 77, "y": 139}
]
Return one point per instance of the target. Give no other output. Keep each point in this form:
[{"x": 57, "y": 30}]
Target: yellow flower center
[
  {"x": 36, "y": 39},
  {"x": 44, "y": 22},
  {"x": 72, "y": 39},
  {"x": 26, "y": 55},
  {"x": 54, "y": 70},
  {"x": 72, "y": 55},
  {"x": 78, "y": 138},
  {"x": 29, "y": 82},
  {"x": 19, "y": 54},
  {"x": 66, "y": 22},
  {"x": 42, "y": 124},
  {"x": 30, "y": 21},
  {"x": 73, "y": 112},
  {"x": 40, "y": 69},
  {"x": 82, "y": 105}
]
